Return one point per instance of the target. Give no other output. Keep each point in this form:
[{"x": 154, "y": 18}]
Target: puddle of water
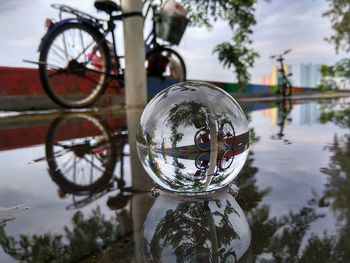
[{"x": 74, "y": 174}]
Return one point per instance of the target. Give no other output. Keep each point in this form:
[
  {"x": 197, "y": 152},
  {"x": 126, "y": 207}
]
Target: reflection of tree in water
[
  {"x": 191, "y": 232},
  {"x": 338, "y": 185},
  {"x": 249, "y": 198},
  {"x": 338, "y": 117},
  {"x": 279, "y": 239},
  {"x": 87, "y": 236},
  {"x": 287, "y": 245},
  {"x": 337, "y": 194},
  {"x": 337, "y": 189}
]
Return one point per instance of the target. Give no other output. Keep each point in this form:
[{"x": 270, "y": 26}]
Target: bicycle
[
  {"x": 229, "y": 145},
  {"x": 78, "y": 55},
  {"x": 226, "y": 134},
  {"x": 283, "y": 83},
  {"x": 85, "y": 165}
]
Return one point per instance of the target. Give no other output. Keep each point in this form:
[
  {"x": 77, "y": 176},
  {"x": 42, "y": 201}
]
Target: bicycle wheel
[
  {"x": 165, "y": 63},
  {"x": 284, "y": 90},
  {"x": 202, "y": 140},
  {"x": 74, "y": 61},
  {"x": 80, "y": 153},
  {"x": 226, "y": 160},
  {"x": 202, "y": 161},
  {"x": 227, "y": 132}
]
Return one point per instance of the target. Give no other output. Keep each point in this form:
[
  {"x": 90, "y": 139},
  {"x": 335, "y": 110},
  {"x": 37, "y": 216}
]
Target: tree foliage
[
  {"x": 339, "y": 14},
  {"x": 339, "y": 69},
  {"x": 86, "y": 236},
  {"x": 240, "y": 15}
]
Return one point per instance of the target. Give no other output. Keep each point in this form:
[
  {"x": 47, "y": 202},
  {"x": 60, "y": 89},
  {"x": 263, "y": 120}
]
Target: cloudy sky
[{"x": 282, "y": 24}]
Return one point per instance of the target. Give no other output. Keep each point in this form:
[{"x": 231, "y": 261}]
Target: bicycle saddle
[{"x": 107, "y": 6}]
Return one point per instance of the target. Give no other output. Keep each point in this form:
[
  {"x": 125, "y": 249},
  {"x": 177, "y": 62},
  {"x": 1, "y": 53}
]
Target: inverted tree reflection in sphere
[{"x": 193, "y": 138}]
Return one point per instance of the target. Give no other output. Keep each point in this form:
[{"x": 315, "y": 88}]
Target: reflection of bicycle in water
[
  {"x": 283, "y": 83},
  {"x": 78, "y": 55},
  {"x": 82, "y": 154},
  {"x": 283, "y": 116}
]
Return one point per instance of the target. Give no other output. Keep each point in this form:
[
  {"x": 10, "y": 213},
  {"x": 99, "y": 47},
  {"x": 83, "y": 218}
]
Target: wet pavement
[{"x": 73, "y": 190}]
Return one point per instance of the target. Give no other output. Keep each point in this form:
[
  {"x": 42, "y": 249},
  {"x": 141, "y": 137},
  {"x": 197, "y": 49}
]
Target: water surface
[{"x": 88, "y": 197}]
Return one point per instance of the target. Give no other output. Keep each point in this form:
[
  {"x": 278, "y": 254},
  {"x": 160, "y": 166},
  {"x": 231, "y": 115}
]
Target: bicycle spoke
[
  {"x": 75, "y": 169},
  {"x": 92, "y": 80},
  {"x": 94, "y": 165},
  {"x": 68, "y": 161},
  {"x": 82, "y": 44},
  {"x": 55, "y": 50},
  {"x": 60, "y": 153},
  {"x": 85, "y": 49},
  {"x": 91, "y": 169},
  {"x": 99, "y": 158},
  {"x": 97, "y": 71},
  {"x": 65, "y": 46},
  {"x": 59, "y": 71}
]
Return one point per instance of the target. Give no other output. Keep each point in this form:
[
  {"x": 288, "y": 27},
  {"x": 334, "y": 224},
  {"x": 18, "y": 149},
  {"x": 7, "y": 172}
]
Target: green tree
[
  {"x": 340, "y": 69},
  {"x": 240, "y": 15},
  {"x": 339, "y": 14}
]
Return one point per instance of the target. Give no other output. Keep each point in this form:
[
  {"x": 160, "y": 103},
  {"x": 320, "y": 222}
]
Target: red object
[{"x": 26, "y": 82}]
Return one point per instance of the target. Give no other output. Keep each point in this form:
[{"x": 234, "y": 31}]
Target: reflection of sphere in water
[
  {"x": 193, "y": 137},
  {"x": 198, "y": 230}
]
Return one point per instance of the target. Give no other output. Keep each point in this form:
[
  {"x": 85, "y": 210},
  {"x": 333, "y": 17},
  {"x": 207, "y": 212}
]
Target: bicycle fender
[{"x": 61, "y": 23}]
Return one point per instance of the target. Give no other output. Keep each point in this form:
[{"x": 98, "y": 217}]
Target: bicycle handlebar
[{"x": 280, "y": 56}]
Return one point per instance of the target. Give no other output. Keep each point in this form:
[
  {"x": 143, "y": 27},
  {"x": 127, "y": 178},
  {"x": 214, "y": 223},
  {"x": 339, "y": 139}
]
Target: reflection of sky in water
[{"x": 293, "y": 171}]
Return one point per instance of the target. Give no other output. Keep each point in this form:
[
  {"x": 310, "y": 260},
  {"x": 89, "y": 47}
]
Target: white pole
[{"x": 135, "y": 73}]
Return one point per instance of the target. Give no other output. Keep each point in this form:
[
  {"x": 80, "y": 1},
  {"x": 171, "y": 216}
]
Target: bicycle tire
[
  {"x": 202, "y": 145},
  {"x": 226, "y": 160},
  {"x": 55, "y": 156},
  {"x": 69, "y": 79},
  {"x": 227, "y": 132},
  {"x": 164, "y": 71},
  {"x": 202, "y": 161},
  {"x": 284, "y": 90}
]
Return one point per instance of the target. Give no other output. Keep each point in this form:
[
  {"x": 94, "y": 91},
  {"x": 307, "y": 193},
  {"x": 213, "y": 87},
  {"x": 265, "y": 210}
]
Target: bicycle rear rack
[{"x": 77, "y": 13}]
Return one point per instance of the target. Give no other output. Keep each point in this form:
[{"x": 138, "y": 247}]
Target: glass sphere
[
  {"x": 213, "y": 229},
  {"x": 193, "y": 138}
]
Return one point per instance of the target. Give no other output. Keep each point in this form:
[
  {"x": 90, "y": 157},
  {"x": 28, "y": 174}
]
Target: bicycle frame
[
  {"x": 286, "y": 82},
  {"x": 93, "y": 63},
  {"x": 282, "y": 71}
]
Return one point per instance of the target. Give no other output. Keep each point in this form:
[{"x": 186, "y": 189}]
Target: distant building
[
  {"x": 309, "y": 114},
  {"x": 310, "y": 75}
]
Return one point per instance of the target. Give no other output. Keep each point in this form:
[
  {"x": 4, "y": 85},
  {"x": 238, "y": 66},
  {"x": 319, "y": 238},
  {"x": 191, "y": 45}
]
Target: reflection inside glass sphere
[
  {"x": 193, "y": 138},
  {"x": 182, "y": 229}
]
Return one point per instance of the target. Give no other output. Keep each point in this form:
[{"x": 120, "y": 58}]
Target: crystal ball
[
  {"x": 193, "y": 138},
  {"x": 180, "y": 229}
]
